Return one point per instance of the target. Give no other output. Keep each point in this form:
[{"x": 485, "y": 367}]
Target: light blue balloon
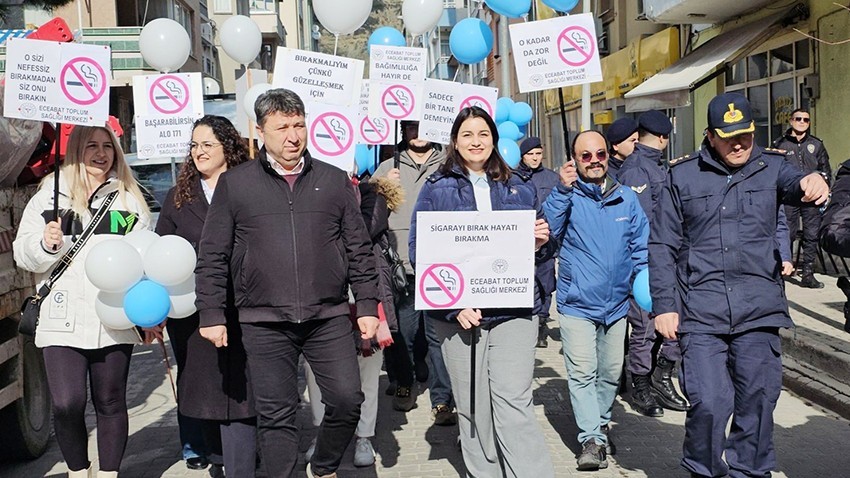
[
  {"x": 471, "y": 41},
  {"x": 509, "y": 130},
  {"x": 147, "y": 303},
  {"x": 640, "y": 290},
  {"x": 364, "y": 155},
  {"x": 386, "y": 36},
  {"x": 503, "y": 109},
  {"x": 510, "y": 8},
  {"x": 565, "y": 6},
  {"x": 521, "y": 113},
  {"x": 509, "y": 151}
]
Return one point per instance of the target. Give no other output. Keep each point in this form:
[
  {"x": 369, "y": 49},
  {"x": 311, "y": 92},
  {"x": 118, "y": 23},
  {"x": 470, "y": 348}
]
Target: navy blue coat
[
  {"x": 645, "y": 173},
  {"x": 453, "y": 192},
  {"x": 713, "y": 257},
  {"x": 544, "y": 180}
]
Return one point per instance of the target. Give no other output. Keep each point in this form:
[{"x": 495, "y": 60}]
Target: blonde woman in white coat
[{"x": 76, "y": 345}]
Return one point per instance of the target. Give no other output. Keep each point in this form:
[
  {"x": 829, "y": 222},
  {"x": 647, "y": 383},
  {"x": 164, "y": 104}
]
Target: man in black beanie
[
  {"x": 645, "y": 171},
  {"x": 544, "y": 181},
  {"x": 622, "y": 135}
]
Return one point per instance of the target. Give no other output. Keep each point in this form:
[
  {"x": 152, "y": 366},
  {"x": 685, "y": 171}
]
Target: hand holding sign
[
  {"x": 568, "y": 173},
  {"x": 469, "y": 318},
  {"x": 541, "y": 233}
]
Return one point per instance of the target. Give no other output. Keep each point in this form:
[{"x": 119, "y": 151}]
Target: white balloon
[
  {"x": 182, "y": 299},
  {"x": 109, "y": 308},
  {"x": 141, "y": 240},
  {"x": 164, "y": 44},
  {"x": 114, "y": 266},
  {"x": 342, "y": 17},
  {"x": 241, "y": 38},
  {"x": 251, "y": 97},
  {"x": 170, "y": 260},
  {"x": 421, "y": 16}
]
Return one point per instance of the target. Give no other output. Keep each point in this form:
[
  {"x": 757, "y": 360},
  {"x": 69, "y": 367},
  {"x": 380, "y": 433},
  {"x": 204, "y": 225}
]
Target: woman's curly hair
[{"x": 235, "y": 153}]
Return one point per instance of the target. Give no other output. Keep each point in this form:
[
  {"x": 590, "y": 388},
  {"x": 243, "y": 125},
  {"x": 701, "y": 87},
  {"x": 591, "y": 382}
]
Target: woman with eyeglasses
[
  {"x": 505, "y": 439},
  {"x": 77, "y": 346},
  {"x": 603, "y": 233},
  {"x": 215, "y": 413}
]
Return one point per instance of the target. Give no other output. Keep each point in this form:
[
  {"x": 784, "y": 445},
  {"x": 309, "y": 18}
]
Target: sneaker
[
  {"x": 592, "y": 456},
  {"x": 308, "y": 455},
  {"x": 217, "y": 471},
  {"x": 364, "y": 453},
  {"x": 404, "y": 400},
  {"x": 443, "y": 415},
  {"x": 610, "y": 448}
]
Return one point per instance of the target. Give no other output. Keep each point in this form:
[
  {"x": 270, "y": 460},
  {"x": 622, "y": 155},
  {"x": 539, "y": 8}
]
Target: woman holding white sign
[{"x": 489, "y": 353}]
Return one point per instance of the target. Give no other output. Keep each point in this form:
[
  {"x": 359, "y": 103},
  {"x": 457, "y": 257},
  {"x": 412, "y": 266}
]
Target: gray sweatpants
[{"x": 508, "y": 440}]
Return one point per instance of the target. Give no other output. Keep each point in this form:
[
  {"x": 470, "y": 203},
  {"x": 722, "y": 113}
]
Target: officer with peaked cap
[{"x": 715, "y": 283}]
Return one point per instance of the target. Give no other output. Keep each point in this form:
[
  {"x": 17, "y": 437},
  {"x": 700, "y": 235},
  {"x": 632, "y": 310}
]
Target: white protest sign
[
  {"x": 166, "y": 106},
  {"x": 443, "y": 102},
  {"x": 372, "y": 129},
  {"x": 318, "y": 77},
  {"x": 57, "y": 82},
  {"x": 397, "y": 76},
  {"x": 474, "y": 259},
  {"x": 557, "y": 52},
  {"x": 331, "y": 134}
]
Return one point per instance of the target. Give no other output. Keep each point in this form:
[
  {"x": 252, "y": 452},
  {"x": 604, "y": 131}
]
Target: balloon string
[
  {"x": 456, "y": 73},
  {"x": 336, "y": 42}
]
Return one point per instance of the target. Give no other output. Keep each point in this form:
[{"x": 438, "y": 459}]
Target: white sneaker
[{"x": 364, "y": 453}]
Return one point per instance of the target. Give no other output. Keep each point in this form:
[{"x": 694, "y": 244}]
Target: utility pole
[
  {"x": 585, "y": 88},
  {"x": 505, "y": 74}
]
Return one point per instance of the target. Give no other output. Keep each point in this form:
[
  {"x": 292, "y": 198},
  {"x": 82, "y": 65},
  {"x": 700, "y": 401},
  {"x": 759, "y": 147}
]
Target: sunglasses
[
  {"x": 587, "y": 156},
  {"x": 800, "y": 118}
]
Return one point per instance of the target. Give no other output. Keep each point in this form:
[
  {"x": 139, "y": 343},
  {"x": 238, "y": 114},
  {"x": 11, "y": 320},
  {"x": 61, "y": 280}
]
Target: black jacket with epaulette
[{"x": 808, "y": 154}]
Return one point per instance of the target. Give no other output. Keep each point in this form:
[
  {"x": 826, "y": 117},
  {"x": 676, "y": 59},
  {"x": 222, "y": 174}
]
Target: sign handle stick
[
  {"x": 472, "y": 342},
  {"x": 56, "y": 175},
  {"x": 564, "y": 122},
  {"x": 250, "y": 121},
  {"x": 397, "y": 153}
]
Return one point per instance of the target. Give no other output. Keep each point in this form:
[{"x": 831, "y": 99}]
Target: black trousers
[
  {"x": 232, "y": 444},
  {"x": 273, "y": 350},
  {"x": 811, "y": 224},
  {"x": 107, "y": 369}
]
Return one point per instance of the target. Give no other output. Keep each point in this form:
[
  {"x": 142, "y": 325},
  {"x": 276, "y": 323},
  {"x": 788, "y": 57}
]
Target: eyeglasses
[
  {"x": 800, "y": 118},
  {"x": 205, "y": 147},
  {"x": 587, "y": 156}
]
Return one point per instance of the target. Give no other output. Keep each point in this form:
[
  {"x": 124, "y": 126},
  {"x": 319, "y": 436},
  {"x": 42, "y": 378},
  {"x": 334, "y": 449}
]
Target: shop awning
[{"x": 671, "y": 87}]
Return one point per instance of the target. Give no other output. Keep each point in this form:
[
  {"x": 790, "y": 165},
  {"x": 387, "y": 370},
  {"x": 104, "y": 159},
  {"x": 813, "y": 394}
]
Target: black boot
[
  {"x": 663, "y": 388},
  {"x": 642, "y": 400},
  {"x": 807, "y": 277},
  {"x": 542, "y": 335}
]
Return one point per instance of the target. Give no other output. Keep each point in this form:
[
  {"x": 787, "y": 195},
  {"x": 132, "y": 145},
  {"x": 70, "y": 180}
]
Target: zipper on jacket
[{"x": 295, "y": 255}]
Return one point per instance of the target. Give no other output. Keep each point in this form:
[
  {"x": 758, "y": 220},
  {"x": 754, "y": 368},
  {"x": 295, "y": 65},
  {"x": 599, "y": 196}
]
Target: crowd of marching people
[{"x": 297, "y": 258}]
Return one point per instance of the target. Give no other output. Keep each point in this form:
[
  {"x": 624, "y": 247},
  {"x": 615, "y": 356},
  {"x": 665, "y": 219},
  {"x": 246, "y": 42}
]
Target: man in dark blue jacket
[
  {"x": 645, "y": 172},
  {"x": 544, "y": 180},
  {"x": 715, "y": 282},
  {"x": 622, "y": 135}
]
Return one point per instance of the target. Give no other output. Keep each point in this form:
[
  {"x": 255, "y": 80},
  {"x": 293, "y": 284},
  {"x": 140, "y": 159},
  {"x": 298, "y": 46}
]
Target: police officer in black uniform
[
  {"x": 807, "y": 153},
  {"x": 715, "y": 282},
  {"x": 622, "y": 135},
  {"x": 645, "y": 172}
]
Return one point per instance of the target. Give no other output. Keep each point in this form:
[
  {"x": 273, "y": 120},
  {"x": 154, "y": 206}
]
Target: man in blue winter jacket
[
  {"x": 603, "y": 234},
  {"x": 715, "y": 283},
  {"x": 544, "y": 181}
]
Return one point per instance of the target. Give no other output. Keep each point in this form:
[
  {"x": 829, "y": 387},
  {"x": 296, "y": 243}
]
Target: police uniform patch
[
  {"x": 681, "y": 159},
  {"x": 639, "y": 189},
  {"x": 733, "y": 116},
  {"x": 811, "y": 148}
]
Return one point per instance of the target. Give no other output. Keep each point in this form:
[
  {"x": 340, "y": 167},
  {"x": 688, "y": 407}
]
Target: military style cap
[
  {"x": 621, "y": 129},
  {"x": 656, "y": 123},
  {"x": 729, "y": 114}
]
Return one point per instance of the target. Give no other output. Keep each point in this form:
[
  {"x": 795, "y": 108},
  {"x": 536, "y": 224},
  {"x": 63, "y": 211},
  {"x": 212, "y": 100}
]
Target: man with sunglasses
[
  {"x": 809, "y": 155},
  {"x": 715, "y": 282},
  {"x": 645, "y": 172},
  {"x": 603, "y": 232}
]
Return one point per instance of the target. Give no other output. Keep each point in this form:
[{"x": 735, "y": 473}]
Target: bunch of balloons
[
  {"x": 143, "y": 279},
  {"x": 512, "y": 119}
]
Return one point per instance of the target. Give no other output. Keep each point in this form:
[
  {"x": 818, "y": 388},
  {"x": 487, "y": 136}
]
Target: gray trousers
[{"x": 508, "y": 440}]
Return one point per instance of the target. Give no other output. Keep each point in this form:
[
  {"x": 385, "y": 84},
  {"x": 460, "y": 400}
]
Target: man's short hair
[
  {"x": 799, "y": 110},
  {"x": 279, "y": 100}
]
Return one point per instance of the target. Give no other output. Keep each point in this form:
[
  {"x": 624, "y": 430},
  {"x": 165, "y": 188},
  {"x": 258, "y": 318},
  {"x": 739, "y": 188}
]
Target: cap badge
[{"x": 733, "y": 115}]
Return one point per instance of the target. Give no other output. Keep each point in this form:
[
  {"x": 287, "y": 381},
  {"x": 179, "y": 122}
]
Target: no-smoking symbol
[
  {"x": 374, "y": 130},
  {"x": 397, "y": 102},
  {"x": 169, "y": 94},
  {"x": 441, "y": 286},
  {"x": 576, "y": 46},
  {"x": 331, "y": 134},
  {"x": 479, "y": 102},
  {"x": 83, "y": 81}
]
